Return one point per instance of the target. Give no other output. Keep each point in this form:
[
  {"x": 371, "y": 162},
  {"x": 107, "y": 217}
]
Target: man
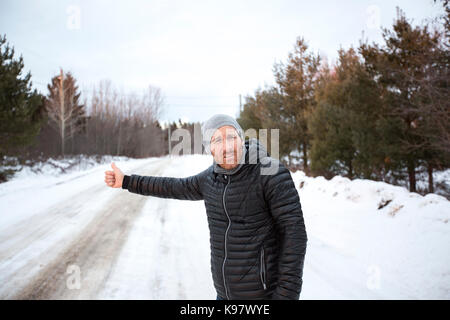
[{"x": 257, "y": 233}]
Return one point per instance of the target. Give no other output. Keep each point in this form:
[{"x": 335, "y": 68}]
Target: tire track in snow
[
  {"x": 27, "y": 231},
  {"x": 94, "y": 249},
  {"x": 164, "y": 252}
]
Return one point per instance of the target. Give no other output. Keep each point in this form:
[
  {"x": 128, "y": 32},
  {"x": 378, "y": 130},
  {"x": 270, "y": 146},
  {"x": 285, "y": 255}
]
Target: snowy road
[
  {"x": 89, "y": 231},
  {"x": 74, "y": 238}
]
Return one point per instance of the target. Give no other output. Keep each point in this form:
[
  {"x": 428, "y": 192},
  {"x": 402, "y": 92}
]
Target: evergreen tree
[
  {"x": 20, "y": 108},
  {"x": 403, "y": 66},
  {"x": 248, "y": 117},
  {"x": 296, "y": 80},
  {"x": 344, "y": 123},
  {"x": 265, "y": 111}
]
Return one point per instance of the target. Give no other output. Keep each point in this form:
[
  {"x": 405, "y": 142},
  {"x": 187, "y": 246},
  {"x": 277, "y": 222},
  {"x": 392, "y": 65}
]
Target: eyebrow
[{"x": 220, "y": 137}]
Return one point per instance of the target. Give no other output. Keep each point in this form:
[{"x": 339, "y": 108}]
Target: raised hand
[{"x": 114, "y": 178}]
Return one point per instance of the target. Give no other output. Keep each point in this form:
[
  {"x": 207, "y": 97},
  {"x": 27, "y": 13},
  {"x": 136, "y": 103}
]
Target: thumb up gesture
[{"x": 114, "y": 178}]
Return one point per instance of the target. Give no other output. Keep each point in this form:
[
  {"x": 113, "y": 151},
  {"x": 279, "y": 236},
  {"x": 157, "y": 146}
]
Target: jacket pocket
[{"x": 262, "y": 268}]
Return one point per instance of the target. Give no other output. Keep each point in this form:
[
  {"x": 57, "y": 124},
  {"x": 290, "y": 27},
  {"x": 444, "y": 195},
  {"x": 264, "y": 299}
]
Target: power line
[
  {"x": 140, "y": 94},
  {"x": 41, "y": 58},
  {"x": 199, "y": 97},
  {"x": 208, "y": 106},
  {"x": 177, "y": 104}
]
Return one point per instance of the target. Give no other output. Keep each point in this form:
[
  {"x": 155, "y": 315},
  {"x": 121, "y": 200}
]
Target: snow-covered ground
[
  {"x": 360, "y": 249},
  {"x": 366, "y": 239}
]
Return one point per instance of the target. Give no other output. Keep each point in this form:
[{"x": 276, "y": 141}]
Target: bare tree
[
  {"x": 122, "y": 123},
  {"x": 63, "y": 109}
]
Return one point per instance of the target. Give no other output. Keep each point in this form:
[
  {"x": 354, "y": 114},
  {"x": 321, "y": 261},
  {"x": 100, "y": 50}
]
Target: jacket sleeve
[
  {"x": 188, "y": 188},
  {"x": 284, "y": 203}
]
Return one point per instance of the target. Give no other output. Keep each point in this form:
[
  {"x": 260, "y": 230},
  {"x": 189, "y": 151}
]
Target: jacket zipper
[
  {"x": 263, "y": 269},
  {"x": 226, "y": 234}
]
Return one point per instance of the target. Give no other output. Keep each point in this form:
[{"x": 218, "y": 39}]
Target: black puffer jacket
[{"x": 257, "y": 233}]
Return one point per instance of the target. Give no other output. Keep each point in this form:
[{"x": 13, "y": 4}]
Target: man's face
[{"x": 226, "y": 147}]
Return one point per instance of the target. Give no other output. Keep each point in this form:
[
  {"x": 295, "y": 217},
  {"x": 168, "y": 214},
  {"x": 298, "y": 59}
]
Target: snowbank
[{"x": 400, "y": 241}]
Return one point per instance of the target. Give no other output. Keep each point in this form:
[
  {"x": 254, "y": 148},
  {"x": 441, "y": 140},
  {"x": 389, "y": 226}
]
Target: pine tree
[
  {"x": 296, "y": 80},
  {"x": 264, "y": 111},
  {"x": 403, "y": 66},
  {"x": 343, "y": 126},
  {"x": 248, "y": 117},
  {"x": 20, "y": 107}
]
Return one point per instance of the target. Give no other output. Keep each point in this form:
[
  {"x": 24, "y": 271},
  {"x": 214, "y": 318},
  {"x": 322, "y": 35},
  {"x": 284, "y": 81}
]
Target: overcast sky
[{"x": 201, "y": 54}]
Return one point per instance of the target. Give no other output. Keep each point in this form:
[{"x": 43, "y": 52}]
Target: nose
[{"x": 229, "y": 150}]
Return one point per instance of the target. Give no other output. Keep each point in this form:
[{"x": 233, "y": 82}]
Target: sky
[{"x": 201, "y": 54}]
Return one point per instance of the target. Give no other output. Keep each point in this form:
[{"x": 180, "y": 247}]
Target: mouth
[{"x": 228, "y": 158}]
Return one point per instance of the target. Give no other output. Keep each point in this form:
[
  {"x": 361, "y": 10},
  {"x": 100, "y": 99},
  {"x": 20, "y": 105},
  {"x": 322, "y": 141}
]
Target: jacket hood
[{"x": 255, "y": 151}]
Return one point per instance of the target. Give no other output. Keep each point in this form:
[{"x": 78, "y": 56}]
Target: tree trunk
[
  {"x": 62, "y": 140},
  {"x": 350, "y": 169},
  {"x": 305, "y": 158},
  {"x": 119, "y": 138},
  {"x": 63, "y": 112},
  {"x": 71, "y": 139},
  {"x": 412, "y": 176},
  {"x": 430, "y": 178}
]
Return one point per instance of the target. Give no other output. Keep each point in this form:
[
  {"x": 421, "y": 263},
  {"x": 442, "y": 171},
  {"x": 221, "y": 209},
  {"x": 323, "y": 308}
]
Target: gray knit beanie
[{"x": 215, "y": 122}]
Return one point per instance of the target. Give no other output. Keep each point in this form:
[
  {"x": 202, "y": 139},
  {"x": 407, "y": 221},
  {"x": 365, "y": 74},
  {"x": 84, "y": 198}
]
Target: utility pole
[
  {"x": 240, "y": 103},
  {"x": 170, "y": 147},
  {"x": 238, "y": 114}
]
